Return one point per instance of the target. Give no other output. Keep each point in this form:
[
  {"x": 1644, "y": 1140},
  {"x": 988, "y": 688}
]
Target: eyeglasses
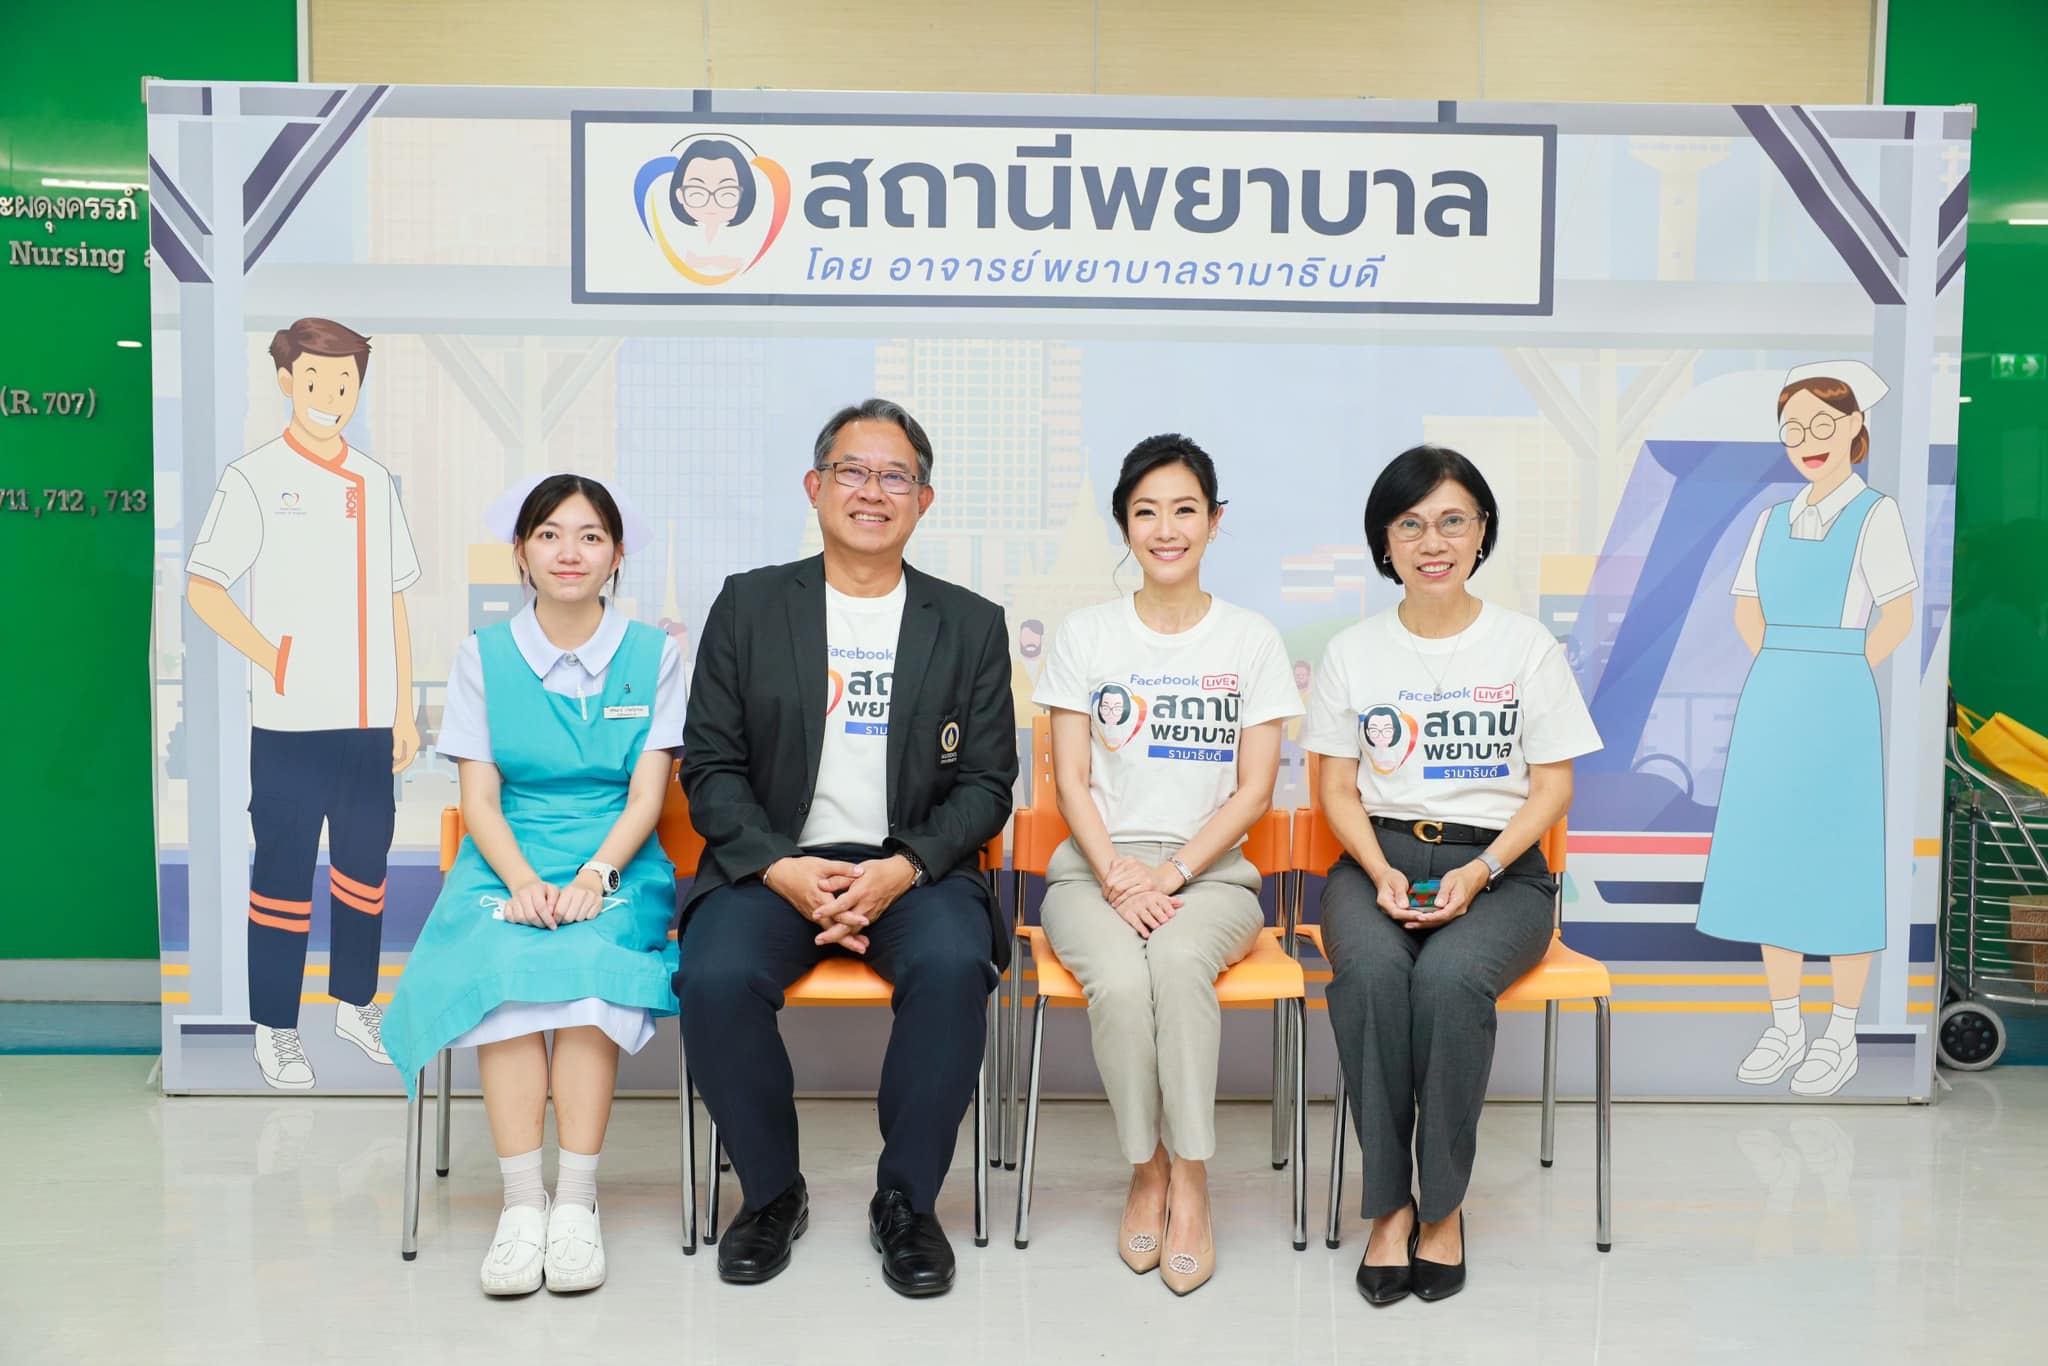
[
  {"x": 697, "y": 196},
  {"x": 1794, "y": 435},
  {"x": 1453, "y": 526},
  {"x": 852, "y": 475}
]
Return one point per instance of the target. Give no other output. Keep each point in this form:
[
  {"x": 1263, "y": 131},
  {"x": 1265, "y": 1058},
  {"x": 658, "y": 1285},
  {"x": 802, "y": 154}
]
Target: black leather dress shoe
[
  {"x": 755, "y": 1247},
  {"x": 916, "y": 1258},
  {"x": 1383, "y": 1285},
  {"x": 1439, "y": 1280}
]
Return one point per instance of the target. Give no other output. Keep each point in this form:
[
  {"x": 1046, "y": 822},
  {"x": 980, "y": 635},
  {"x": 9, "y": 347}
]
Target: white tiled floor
[{"x": 144, "y": 1230}]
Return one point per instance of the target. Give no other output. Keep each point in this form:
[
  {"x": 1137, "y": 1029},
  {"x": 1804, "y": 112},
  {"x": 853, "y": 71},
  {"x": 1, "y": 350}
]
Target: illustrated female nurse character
[
  {"x": 712, "y": 188},
  {"x": 1824, "y": 594},
  {"x": 1113, "y": 714}
]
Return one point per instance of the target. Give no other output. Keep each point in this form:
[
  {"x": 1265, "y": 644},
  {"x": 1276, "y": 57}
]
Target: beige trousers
[{"x": 1152, "y": 1009}]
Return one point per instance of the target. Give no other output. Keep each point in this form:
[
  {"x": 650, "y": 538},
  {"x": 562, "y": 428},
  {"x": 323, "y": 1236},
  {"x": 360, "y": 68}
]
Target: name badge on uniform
[
  {"x": 624, "y": 713},
  {"x": 949, "y": 743}
]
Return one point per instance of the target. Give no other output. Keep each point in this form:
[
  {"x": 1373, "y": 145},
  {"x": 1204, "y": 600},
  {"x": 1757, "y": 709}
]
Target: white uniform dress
[{"x": 466, "y": 734}]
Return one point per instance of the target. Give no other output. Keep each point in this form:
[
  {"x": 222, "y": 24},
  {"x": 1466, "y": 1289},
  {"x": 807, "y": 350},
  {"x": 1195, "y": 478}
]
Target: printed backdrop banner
[{"x": 670, "y": 290}]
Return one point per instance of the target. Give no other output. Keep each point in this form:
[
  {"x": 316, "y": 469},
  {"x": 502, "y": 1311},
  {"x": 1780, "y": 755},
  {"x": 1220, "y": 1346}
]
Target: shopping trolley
[{"x": 1994, "y": 923}]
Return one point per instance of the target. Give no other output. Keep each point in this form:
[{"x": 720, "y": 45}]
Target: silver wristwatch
[
  {"x": 1186, "y": 877},
  {"x": 1493, "y": 868},
  {"x": 607, "y": 875}
]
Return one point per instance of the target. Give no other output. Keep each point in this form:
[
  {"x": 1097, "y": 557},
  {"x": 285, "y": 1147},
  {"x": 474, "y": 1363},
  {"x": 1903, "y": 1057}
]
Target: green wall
[
  {"x": 77, "y": 834},
  {"x": 1991, "y": 53}
]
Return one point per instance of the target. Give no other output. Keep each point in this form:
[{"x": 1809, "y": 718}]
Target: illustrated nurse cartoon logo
[
  {"x": 712, "y": 207},
  {"x": 315, "y": 529},
  {"x": 1823, "y": 596},
  {"x": 1119, "y": 715},
  {"x": 1386, "y": 737}
]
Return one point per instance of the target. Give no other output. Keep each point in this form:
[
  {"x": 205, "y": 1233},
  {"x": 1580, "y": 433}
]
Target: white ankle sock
[
  {"x": 523, "y": 1185},
  {"x": 576, "y": 1179},
  {"x": 1785, "y": 1015},
  {"x": 1842, "y": 1026}
]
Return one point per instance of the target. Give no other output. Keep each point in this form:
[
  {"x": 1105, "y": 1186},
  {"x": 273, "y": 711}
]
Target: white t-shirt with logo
[
  {"x": 1165, "y": 711},
  {"x": 325, "y": 546},
  {"x": 851, "y": 803},
  {"x": 1446, "y": 729}
]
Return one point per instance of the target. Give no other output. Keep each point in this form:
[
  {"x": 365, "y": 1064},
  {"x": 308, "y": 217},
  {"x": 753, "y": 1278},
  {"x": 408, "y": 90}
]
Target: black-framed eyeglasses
[
  {"x": 851, "y": 474},
  {"x": 1453, "y": 526},
  {"x": 1794, "y": 434},
  {"x": 698, "y": 196}
]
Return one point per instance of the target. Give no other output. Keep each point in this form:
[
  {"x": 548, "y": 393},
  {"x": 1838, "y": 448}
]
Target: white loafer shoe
[
  {"x": 513, "y": 1266},
  {"x": 1827, "y": 1069},
  {"x": 575, "y": 1259},
  {"x": 1775, "y": 1054}
]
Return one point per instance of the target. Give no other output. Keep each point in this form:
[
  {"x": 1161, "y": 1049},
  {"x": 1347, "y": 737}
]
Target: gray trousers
[
  {"x": 1152, "y": 1009},
  {"x": 1413, "y": 1013}
]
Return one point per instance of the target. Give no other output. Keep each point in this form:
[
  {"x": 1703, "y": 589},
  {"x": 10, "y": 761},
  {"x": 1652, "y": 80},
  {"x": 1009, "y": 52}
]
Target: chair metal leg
[
  {"x": 1280, "y": 1073},
  {"x": 1336, "y": 1201},
  {"x": 1300, "y": 1126},
  {"x": 443, "y": 1109},
  {"x": 1030, "y": 1154},
  {"x": 981, "y": 1117},
  {"x": 1548, "y": 1148},
  {"x": 991, "y": 1141},
  {"x": 711, "y": 1212},
  {"x": 409, "y": 1216},
  {"x": 687, "y": 1091},
  {"x": 1012, "y": 1099},
  {"x": 1603, "y": 1129}
]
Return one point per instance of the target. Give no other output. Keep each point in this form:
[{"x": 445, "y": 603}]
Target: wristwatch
[
  {"x": 607, "y": 875},
  {"x": 1493, "y": 869},
  {"x": 919, "y": 875},
  {"x": 1186, "y": 877}
]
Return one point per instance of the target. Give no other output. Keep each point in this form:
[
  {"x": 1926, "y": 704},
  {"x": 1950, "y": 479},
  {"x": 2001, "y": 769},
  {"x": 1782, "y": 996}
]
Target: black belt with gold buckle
[{"x": 1439, "y": 832}]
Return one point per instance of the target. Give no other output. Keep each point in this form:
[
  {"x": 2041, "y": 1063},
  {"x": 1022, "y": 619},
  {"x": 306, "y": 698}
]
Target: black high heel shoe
[
  {"x": 1439, "y": 1280},
  {"x": 1383, "y": 1285}
]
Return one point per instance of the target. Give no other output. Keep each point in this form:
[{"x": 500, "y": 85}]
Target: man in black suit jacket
[{"x": 850, "y": 747}]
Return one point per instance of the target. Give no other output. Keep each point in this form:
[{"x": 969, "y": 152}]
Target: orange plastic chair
[
  {"x": 1564, "y": 975},
  {"x": 1267, "y": 973},
  {"x": 684, "y": 846}
]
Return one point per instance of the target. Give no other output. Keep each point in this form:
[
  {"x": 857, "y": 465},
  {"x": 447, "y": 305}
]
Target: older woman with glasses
[{"x": 1447, "y": 728}]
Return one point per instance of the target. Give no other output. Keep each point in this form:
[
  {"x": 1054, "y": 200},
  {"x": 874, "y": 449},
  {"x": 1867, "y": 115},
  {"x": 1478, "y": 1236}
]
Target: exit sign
[{"x": 2018, "y": 365}]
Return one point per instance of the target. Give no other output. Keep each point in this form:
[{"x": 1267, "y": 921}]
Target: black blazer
[{"x": 756, "y": 724}]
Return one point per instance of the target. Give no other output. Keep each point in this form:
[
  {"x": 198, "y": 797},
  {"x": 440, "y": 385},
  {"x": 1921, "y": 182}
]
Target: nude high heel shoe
[
  {"x": 1138, "y": 1246},
  {"x": 1186, "y": 1272}
]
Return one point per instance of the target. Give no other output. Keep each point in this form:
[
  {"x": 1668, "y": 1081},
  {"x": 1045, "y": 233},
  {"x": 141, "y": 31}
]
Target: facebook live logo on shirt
[
  {"x": 1196, "y": 721},
  {"x": 864, "y": 691},
  {"x": 1475, "y": 740}
]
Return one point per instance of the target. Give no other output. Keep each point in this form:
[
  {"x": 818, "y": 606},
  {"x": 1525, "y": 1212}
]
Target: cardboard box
[
  {"x": 2031, "y": 964},
  {"x": 2030, "y": 918}
]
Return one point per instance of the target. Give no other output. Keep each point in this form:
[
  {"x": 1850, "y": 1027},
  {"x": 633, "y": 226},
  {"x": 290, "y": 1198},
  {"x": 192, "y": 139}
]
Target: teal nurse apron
[
  {"x": 564, "y": 784},
  {"x": 1798, "y": 855}
]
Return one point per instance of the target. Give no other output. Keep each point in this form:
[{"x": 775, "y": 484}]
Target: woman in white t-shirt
[
  {"x": 1448, "y": 728},
  {"x": 1166, "y": 716}
]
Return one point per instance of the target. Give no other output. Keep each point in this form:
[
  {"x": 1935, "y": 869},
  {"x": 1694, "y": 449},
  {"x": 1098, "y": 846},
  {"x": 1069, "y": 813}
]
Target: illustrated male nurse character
[
  {"x": 1823, "y": 596},
  {"x": 316, "y": 529}
]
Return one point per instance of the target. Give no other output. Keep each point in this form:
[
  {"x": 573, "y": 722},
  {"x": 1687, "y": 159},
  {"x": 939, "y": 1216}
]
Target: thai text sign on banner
[{"x": 930, "y": 211}]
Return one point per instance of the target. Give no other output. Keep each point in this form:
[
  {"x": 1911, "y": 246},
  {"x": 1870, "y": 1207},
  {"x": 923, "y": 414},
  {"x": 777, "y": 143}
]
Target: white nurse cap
[
  {"x": 502, "y": 517},
  {"x": 1863, "y": 381}
]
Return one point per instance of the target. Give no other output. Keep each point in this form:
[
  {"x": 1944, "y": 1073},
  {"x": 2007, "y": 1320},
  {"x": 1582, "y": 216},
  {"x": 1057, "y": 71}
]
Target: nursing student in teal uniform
[
  {"x": 553, "y": 923},
  {"x": 1824, "y": 594}
]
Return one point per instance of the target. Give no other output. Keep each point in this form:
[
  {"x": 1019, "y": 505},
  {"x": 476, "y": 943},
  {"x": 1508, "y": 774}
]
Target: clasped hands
[
  {"x": 842, "y": 899},
  {"x": 1454, "y": 894},
  {"x": 545, "y": 906},
  {"x": 1142, "y": 894}
]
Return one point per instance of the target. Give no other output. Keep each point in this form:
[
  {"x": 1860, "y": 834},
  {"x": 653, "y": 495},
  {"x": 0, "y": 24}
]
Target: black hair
[
  {"x": 1409, "y": 478},
  {"x": 1155, "y": 452},
  {"x": 557, "y": 489},
  {"x": 712, "y": 149},
  {"x": 1031, "y": 624},
  {"x": 875, "y": 410}
]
